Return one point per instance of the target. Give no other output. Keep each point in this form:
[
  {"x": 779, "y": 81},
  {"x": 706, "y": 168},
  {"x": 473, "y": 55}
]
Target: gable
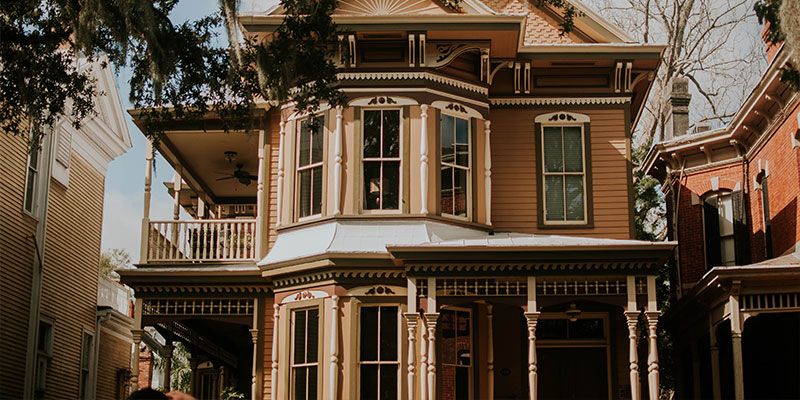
[{"x": 388, "y": 7}]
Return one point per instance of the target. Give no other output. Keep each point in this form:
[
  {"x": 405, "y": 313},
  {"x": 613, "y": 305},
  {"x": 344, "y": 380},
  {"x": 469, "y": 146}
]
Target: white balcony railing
[{"x": 202, "y": 240}]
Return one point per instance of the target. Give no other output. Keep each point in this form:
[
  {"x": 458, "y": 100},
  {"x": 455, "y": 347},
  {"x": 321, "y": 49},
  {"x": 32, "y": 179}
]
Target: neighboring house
[
  {"x": 732, "y": 204},
  {"x": 51, "y": 204},
  {"x": 461, "y": 229}
]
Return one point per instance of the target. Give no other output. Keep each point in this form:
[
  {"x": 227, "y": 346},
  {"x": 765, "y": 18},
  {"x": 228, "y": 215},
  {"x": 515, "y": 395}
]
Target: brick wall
[{"x": 145, "y": 367}]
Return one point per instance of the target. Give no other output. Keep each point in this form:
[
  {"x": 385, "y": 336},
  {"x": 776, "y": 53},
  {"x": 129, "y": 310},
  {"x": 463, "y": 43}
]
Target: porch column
[
  {"x": 632, "y": 317},
  {"x": 280, "y": 174},
  {"x": 337, "y": 167},
  {"x": 136, "y": 333},
  {"x": 423, "y": 361},
  {"x": 168, "y": 366},
  {"x": 736, "y": 342},
  {"x": 423, "y": 162},
  {"x": 714, "y": 349},
  {"x": 652, "y": 327},
  {"x": 487, "y": 169},
  {"x": 412, "y": 318},
  {"x": 431, "y": 318},
  {"x": 275, "y": 331},
  {"x": 176, "y": 187},
  {"x": 254, "y": 336},
  {"x": 334, "y": 362},
  {"x": 148, "y": 178},
  {"x": 490, "y": 353},
  {"x": 532, "y": 318},
  {"x": 261, "y": 202}
]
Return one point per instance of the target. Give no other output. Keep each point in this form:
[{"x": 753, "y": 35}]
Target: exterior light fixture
[
  {"x": 573, "y": 312},
  {"x": 230, "y": 156}
]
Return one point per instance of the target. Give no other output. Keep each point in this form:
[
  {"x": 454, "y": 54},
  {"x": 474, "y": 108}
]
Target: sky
[{"x": 124, "y": 193}]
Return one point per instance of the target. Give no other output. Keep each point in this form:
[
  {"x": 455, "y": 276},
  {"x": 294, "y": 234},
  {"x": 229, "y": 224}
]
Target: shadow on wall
[{"x": 784, "y": 228}]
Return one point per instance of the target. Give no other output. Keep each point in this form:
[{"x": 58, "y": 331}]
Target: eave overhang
[{"x": 260, "y": 22}]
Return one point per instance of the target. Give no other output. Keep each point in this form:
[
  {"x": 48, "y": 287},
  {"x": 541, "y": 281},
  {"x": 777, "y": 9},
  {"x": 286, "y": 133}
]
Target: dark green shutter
[
  {"x": 741, "y": 233},
  {"x": 767, "y": 219},
  {"x": 711, "y": 226}
]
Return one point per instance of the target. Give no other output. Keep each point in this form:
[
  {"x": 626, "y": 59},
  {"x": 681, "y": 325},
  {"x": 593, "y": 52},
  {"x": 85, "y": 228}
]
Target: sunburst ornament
[{"x": 388, "y": 7}]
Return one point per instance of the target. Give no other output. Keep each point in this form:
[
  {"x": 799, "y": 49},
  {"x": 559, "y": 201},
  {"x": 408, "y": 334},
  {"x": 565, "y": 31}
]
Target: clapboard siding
[
  {"x": 69, "y": 285},
  {"x": 16, "y": 260},
  {"x": 268, "y": 329},
  {"x": 275, "y": 140},
  {"x": 115, "y": 354},
  {"x": 514, "y": 190}
]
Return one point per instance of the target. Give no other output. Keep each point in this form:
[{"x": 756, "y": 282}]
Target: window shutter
[
  {"x": 64, "y": 147},
  {"x": 741, "y": 234},
  {"x": 711, "y": 225}
]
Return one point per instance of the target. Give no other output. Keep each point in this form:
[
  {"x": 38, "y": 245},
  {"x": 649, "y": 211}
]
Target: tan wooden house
[
  {"x": 51, "y": 201},
  {"x": 461, "y": 229}
]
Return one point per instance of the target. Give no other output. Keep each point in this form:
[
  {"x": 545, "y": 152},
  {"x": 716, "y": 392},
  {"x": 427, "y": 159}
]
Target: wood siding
[
  {"x": 114, "y": 354},
  {"x": 514, "y": 172},
  {"x": 16, "y": 260}
]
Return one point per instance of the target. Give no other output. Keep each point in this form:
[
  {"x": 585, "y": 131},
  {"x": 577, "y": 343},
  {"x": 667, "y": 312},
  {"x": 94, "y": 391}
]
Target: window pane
[
  {"x": 299, "y": 337},
  {"x": 388, "y": 382},
  {"x": 388, "y": 334},
  {"x": 448, "y": 123},
  {"x": 313, "y": 328},
  {"x": 300, "y": 383},
  {"x": 447, "y": 190},
  {"x": 460, "y": 192},
  {"x": 34, "y": 159},
  {"x": 391, "y": 133},
  {"x": 462, "y": 383},
  {"x": 573, "y": 153},
  {"x": 369, "y": 333},
  {"x": 316, "y": 206},
  {"x": 728, "y": 249},
  {"x": 30, "y": 190},
  {"x": 586, "y": 329},
  {"x": 462, "y": 131},
  {"x": 372, "y": 185},
  {"x": 305, "y": 192},
  {"x": 552, "y": 149},
  {"x": 372, "y": 134},
  {"x": 462, "y": 155},
  {"x": 725, "y": 206},
  {"x": 316, "y": 141},
  {"x": 574, "y": 184},
  {"x": 448, "y": 332},
  {"x": 554, "y": 197},
  {"x": 369, "y": 381},
  {"x": 551, "y": 329},
  {"x": 305, "y": 144},
  {"x": 312, "y": 383},
  {"x": 463, "y": 338},
  {"x": 391, "y": 185}
]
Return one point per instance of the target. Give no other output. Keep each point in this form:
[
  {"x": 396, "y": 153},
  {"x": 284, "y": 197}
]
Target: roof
[{"x": 526, "y": 241}]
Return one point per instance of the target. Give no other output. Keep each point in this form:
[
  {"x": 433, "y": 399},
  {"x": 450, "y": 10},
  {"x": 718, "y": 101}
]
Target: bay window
[
  {"x": 455, "y": 166},
  {"x": 309, "y": 167},
  {"x": 381, "y": 159}
]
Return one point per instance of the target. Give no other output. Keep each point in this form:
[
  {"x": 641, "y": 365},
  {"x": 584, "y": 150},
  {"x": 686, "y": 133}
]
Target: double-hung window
[
  {"x": 456, "y": 354},
  {"x": 86, "y": 363},
  {"x": 564, "y": 174},
  {"x": 381, "y": 159},
  {"x": 379, "y": 361},
  {"x": 305, "y": 346},
  {"x": 309, "y": 167},
  {"x": 455, "y": 165},
  {"x": 32, "y": 181}
]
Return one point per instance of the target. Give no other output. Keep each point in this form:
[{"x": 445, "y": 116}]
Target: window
[
  {"x": 86, "y": 363},
  {"x": 305, "y": 346},
  {"x": 719, "y": 230},
  {"x": 381, "y": 159},
  {"x": 32, "y": 181},
  {"x": 455, "y": 156},
  {"x": 456, "y": 354},
  {"x": 564, "y": 175},
  {"x": 309, "y": 167},
  {"x": 563, "y": 329},
  {"x": 378, "y": 353},
  {"x": 44, "y": 353},
  {"x": 767, "y": 220}
]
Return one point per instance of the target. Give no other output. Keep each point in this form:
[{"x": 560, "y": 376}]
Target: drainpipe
[
  {"x": 103, "y": 316},
  {"x": 37, "y": 268}
]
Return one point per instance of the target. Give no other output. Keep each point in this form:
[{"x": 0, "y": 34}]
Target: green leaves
[{"x": 768, "y": 12}]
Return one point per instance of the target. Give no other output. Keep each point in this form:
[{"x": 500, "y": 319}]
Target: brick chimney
[{"x": 676, "y": 118}]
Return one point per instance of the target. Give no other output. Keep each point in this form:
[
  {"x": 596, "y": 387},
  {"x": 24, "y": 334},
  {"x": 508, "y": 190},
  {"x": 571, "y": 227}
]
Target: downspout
[
  {"x": 675, "y": 198},
  {"x": 37, "y": 269},
  {"x": 102, "y": 317}
]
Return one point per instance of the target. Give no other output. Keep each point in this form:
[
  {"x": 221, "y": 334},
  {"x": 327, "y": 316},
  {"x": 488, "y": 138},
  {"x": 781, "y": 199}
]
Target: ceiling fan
[{"x": 244, "y": 177}]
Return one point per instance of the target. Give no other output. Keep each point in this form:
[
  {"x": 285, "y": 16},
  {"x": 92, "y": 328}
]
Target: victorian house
[
  {"x": 732, "y": 204},
  {"x": 461, "y": 229},
  {"x": 64, "y": 330}
]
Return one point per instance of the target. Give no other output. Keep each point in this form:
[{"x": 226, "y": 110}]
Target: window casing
[
  {"x": 86, "y": 363},
  {"x": 382, "y": 159},
  {"x": 309, "y": 179},
  {"x": 719, "y": 230},
  {"x": 564, "y": 174},
  {"x": 32, "y": 182},
  {"x": 456, "y": 354},
  {"x": 305, "y": 349},
  {"x": 456, "y": 162},
  {"x": 379, "y": 353},
  {"x": 44, "y": 354}
]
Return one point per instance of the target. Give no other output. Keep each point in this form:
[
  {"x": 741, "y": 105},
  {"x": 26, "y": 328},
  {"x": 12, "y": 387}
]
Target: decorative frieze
[
  {"x": 402, "y": 76},
  {"x": 206, "y": 307},
  {"x": 557, "y": 101}
]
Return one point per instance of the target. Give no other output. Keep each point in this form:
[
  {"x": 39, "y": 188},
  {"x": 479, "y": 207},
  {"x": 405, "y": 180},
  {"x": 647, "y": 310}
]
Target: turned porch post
[
  {"x": 423, "y": 164},
  {"x": 487, "y": 170},
  {"x": 274, "y": 376},
  {"x": 281, "y": 150},
  {"x": 423, "y": 360},
  {"x": 412, "y": 319},
  {"x": 532, "y": 319},
  {"x": 632, "y": 317},
  {"x": 490, "y": 353},
  {"x": 148, "y": 178},
  {"x": 334, "y": 361},
  {"x": 431, "y": 318},
  {"x": 261, "y": 202},
  {"x": 337, "y": 167},
  {"x": 136, "y": 332},
  {"x": 254, "y": 336},
  {"x": 168, "y": 349},
  {"x": 652, "y": 327},
  {"x": 736, "y": 342},
  {"x": 714, "y": 349}
]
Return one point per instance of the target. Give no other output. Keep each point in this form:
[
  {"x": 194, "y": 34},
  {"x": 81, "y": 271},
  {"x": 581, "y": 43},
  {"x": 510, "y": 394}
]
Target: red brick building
[{"x": 732, "y": 205}]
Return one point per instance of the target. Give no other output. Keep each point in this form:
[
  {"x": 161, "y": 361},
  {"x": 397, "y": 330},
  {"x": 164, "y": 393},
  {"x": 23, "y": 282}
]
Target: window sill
[{"x": 577, "y": 225}]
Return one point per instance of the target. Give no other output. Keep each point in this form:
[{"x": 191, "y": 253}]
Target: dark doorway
[
  {"x": 510, "y": 353},
  {"x": 567, "y": 373}
]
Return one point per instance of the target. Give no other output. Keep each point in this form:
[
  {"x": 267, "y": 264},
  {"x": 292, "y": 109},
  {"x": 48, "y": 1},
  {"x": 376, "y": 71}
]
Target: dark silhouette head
[{"x": 147, "y": 394}]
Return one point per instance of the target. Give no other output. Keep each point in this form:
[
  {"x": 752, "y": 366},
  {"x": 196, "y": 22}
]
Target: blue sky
[{"x": 124, "y": 199}]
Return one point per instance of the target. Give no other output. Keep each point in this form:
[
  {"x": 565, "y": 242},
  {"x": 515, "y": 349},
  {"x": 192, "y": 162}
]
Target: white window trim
[
  {"x": 400, "y": 348},
  {"x": 399, "y": 158},
  {"x": 472, "y": 338},
  {"x": 320, "y": 355},
  {"x": 35, "y": 198},
  {"x": 298, "y": 126},
  {"x": 468, "y": 217},
  {"x": 46, "y": 354},
  {"x": 90, "y": 361},
  {"x": 544, "y": 123}
]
